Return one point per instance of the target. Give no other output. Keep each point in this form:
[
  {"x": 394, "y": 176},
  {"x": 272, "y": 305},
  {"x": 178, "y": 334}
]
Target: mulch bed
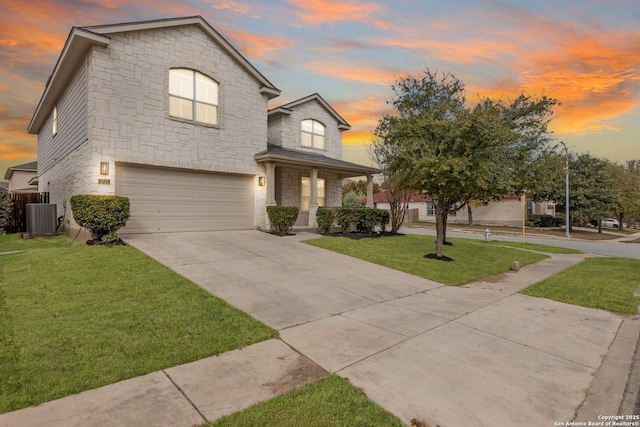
[
  {"x": 357, "y": 235},
  {"x": 118, "y": 242}
]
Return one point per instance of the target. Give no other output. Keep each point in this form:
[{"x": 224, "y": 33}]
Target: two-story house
[{"x": 169, "y": 114}]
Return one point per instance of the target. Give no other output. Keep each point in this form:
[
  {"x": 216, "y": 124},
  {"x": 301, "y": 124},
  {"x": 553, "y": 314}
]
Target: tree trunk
[
  {"x": 470, "y": 214},
  {"x": 600, "y": 226},
  {"x": 570, "y": 224},
  {"x": 620, "y": 219},
  {"x": 444, "y": 227},
  {"x": 440, "y": 228}
]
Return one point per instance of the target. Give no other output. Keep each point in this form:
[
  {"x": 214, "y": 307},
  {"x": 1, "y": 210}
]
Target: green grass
[
  {"x": 604, "y": 283},
  {"x": 75, "y": 317},
  {"x": 473, "y": 259},
  {"x": 535, "y": 247},
  {"x": 329, "y": 402}
]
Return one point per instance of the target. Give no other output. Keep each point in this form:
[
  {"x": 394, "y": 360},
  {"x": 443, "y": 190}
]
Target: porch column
[
  {"x": 369, "y": 190},
  {"x": 313, "y": 200},
  {"x": 271, "y": 192},
  {"x": 271, "y": 184}
]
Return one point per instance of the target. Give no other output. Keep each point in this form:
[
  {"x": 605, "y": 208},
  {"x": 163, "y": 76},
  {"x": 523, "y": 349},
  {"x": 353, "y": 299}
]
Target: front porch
[{"x": 308, "y": 180}]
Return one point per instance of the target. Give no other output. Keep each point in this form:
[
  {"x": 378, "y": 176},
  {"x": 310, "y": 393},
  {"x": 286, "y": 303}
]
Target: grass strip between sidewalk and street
[
  {"x": 472, "y": 259},
  {"x": 75, "y": 317},
  {"x": 332, "y": 401},
  {"x": 604, "y": 283},
  {"x": 535, "y": 247}
]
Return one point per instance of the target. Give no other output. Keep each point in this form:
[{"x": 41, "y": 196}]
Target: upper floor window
[
  {"x": 55, "y": 120},
  {"x": 312, "y": 134},
  {"x": 193, "y": 96}
]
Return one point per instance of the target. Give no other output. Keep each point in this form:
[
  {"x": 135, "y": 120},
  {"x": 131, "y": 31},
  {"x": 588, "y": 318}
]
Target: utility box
[{"x": 41, "y": 218}]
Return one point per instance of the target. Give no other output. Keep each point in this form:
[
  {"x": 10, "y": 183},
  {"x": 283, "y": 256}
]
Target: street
[{"x": 598, "y": 247}]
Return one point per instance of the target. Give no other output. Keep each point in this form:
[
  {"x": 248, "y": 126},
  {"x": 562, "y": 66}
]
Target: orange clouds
[
  {"x": 331, "y": 11},
  {"x": 596, "y": 81},
  {"x": 380, "y": 75},
  {"x": 258, "y": 46}
]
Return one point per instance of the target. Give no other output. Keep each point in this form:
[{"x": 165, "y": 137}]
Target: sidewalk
[{"x": 420, "y": 349}]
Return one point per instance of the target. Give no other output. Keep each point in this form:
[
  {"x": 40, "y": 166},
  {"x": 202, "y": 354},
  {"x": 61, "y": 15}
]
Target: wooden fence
[{"x": 18, "y": 210}]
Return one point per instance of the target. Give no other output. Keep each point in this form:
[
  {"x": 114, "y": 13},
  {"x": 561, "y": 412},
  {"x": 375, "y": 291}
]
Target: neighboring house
[
  {"x": 506, "y": 211},
  {"x": 170, "y": 115},
  {"x": 22, "y": 178}
]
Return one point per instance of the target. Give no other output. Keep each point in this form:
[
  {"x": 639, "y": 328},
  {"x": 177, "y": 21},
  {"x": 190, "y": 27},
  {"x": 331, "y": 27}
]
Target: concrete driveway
[{"x": 451, "y": 356}]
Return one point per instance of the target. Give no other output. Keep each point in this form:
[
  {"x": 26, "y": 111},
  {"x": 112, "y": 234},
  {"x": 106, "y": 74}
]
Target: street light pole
[{"x": 566, "y": 150}]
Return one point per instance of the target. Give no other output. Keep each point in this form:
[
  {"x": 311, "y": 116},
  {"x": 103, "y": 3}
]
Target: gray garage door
[{"x": 169, "y": 200}]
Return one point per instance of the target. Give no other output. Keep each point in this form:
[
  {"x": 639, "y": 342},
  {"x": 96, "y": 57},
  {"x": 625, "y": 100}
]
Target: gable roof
[
  {"x": 25, "y": 167},
  {"x": 287, "y": 109},
  {"x": 82, "y": 38}
]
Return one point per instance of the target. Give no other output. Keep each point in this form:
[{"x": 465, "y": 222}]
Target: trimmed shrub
[
  {"x": 347, "y": 219},
  {"x": 538, "y": 220},
  {"x": 282, "y": 218},
  {"x": 326, "y": 217},
  {"x": 100, "y": 214},
  {"x": 363, "y": 220}
]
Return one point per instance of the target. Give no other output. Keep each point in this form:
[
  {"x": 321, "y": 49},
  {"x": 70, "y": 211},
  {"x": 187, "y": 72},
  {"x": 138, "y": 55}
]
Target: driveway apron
[{"x": 479, "y": 354}]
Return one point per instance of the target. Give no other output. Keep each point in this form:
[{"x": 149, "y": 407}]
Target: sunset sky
[{"x": 585, "y": 53}]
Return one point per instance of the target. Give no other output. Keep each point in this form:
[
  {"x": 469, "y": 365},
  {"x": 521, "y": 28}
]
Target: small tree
[
  {"x": 352, "y": 199},
  {"x": 100, "y": 214},
  {"x": 455, "y": 153},
  {"x": 394, "y": 186},
  {"x": 5, "y": 209}
]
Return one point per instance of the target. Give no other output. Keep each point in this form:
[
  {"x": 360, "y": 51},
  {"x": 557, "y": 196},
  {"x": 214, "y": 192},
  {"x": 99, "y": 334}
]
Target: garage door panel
[{"x": 166, "y": 200}]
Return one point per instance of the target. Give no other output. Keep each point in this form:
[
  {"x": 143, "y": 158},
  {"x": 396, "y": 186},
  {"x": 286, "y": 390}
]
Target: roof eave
[
  {"x": 342, "y": 123},
  {"x": 347, "y": 170},
  {"x": 78, "y": 42}
]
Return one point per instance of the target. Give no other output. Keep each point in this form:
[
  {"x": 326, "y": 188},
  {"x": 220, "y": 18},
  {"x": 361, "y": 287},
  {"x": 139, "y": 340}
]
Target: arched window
[
  {"x": 312, "y": 134},
  {"x": 193, "y": 96}
]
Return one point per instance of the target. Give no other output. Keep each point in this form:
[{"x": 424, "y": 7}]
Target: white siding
[{"x": 72, "y": 129}]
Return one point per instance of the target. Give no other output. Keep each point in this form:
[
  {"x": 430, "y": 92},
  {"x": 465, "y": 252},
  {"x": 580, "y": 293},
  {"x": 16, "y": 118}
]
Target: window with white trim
[
  {"x": 305, "y": 193},
  {"x": 312, "y": 134},
  {"x": 193, "y": 96},
  {"x": 431, "y": 209},
  {"x": 55, "y": 120}
]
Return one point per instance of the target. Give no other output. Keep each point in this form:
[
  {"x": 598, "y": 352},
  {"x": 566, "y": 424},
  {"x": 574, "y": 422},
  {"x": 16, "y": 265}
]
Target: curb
[{"x": 607, "y": 392}]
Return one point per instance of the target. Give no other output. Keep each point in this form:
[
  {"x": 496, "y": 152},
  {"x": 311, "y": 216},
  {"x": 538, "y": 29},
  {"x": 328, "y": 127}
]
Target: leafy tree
[
  {"x": 359, "y": 186},
  {"x": 352, "y": 199},
  {"x": 626, "y": 181},
  {"x": 592, "y": 193},
  {"x": 456, "y": 153},
  {"x": 394, "y": 186}
]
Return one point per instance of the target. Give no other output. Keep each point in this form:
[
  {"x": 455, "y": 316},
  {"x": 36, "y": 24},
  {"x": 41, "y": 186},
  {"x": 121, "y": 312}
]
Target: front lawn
[
  {"x": 605, "y": 283},
  {"x": 74, "y": 317},
  {"x": 472, "y": 259},
  {"x": 329, "y": 402}
]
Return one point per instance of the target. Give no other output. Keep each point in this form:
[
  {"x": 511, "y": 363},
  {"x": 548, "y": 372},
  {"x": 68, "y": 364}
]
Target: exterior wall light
[
  {"x": 104, "y": 168},
  {"x": 261, "y": 181}
]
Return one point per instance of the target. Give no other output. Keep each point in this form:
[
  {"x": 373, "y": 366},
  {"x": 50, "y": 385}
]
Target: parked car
[{"x": 610, "y": 223}]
